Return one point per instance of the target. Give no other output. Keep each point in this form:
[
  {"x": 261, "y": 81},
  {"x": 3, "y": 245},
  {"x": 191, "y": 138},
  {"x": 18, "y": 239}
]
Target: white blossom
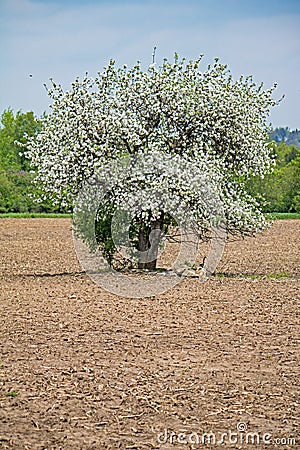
[{"x": 216, "y": 124}]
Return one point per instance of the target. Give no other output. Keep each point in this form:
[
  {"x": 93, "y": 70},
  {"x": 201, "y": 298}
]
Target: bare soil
[{"x": 81, "y": 368}]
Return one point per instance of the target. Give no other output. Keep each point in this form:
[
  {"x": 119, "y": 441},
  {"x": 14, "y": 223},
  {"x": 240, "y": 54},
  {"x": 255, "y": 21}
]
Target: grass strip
[
  {"x": 278, "y": 216},
  {"x": 29, "y": 215}
]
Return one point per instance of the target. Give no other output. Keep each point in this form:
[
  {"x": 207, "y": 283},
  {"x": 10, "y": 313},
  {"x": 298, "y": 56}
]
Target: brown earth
[{"x": 81, "y": 368}]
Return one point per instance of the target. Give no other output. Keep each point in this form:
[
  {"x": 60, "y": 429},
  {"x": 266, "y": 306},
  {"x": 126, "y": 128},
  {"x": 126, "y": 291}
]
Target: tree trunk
[{"x": 149, "y": 238}]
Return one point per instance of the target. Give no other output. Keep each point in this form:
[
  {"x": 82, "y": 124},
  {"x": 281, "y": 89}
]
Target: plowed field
[{"x": 81, "y": 368}]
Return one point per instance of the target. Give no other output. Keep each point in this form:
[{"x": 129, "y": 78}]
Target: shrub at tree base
[{"x": 204, "y": 120}]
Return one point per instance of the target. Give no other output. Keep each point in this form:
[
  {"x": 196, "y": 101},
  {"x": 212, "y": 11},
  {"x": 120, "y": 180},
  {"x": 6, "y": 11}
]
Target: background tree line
[
  {"x": 17, "y": 191},
  {"x": 277, "y": 192}
]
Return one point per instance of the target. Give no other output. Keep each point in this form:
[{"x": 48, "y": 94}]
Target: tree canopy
[
  {"x": 174, "y": 113},
  {"x": 179, "y": 126}
]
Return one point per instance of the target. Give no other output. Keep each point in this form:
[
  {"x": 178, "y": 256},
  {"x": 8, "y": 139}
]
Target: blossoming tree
[{"x": 182, "y": 130}]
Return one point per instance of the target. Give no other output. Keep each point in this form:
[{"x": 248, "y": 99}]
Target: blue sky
[{"x": 64, "y": 39}]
